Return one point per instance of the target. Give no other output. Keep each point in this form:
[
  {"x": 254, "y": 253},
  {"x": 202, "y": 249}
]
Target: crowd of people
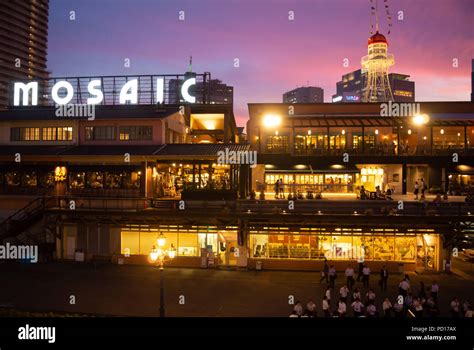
[{"x": 351, "y": 300}]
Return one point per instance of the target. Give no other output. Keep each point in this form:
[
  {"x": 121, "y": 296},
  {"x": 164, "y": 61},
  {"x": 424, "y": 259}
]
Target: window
[
  {"x": 57, "y": 134},
  {"x": 129, "y": 133},
  {"x": 277, "y": 144},
  {"x": 24, "y": 134},
  {"x": 100, "y": 132}
]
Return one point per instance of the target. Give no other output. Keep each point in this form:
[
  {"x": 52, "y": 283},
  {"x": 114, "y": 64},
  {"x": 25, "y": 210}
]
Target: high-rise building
[
  {"x": 23, "y": 44},
  {"x": 351, "y": 87},
  {"x": 213, "y": 91},
  {"x": 306, "y": 94}
]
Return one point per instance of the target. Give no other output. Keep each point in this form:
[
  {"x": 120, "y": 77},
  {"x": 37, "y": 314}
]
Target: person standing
[
  {"x": 277, "y": 188},
  {"x": 341, "y": 308},
  {"x": 326, "y": 307},
  {"x": 332, "y": 276},
  {"x": 311, "y": 308},
  {"x": 387, "y": 307},
  {"x": 361, "y": 267},
  {"x": 370, "y": 296},
  {"x": 357, "y": 306},
  {"x": 383, "y": 278},
  {"x": 349, "y": 276},
  {"x": 366, "y": 276},
  {"x": 325, "y": 272},
  {"x": 423, "y": 188},
  {"x": 282, "y": 189},
  {"x": 356, "y": 294},
  {"x": 415, "y": 192},
  {"x": 298, "y": 308}
]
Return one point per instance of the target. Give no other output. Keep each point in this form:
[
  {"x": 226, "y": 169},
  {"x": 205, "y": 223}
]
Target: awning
[{"x": 463, "y": 169}]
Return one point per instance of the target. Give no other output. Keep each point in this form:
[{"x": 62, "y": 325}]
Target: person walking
[
  {"x": 356, "y": 294},
  {"x": 455, "y": 308},
  {"x": 383, "y": 278},
  {"x": 366, "y": 276},
  {"x": 403, "y": 288},
  {"x": 418, "y": 307},
  {"x": 325, "y": 272},
  {"x": 349, "y": 276},
  {"x": 416, "y": 191},
  {"x": 332, "y": 276},
  {"x": 326, "y": 307},
  {"x": 370, "y": 296},
  {"x": 357, "y": 307},
  {"x": 328, "y": 294},
  {"x": 277, "y": 188},
  {"x": 387, "y": 307},
  {"x": 343, "y": 293},
  {"x": 371, "y": 310}
]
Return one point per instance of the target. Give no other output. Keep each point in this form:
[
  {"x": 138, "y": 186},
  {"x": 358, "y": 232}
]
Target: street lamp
[{"x": 159, "y": 255}]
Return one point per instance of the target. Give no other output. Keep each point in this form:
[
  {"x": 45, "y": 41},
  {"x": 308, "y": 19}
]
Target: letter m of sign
[{"x": 21, "y": 88}]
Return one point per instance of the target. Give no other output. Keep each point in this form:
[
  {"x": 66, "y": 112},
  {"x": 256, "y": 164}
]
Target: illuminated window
[
  {"x": 24, "y": 134},
  {"x": 131, "y": 133},
  {"x": 100, "y": 132}
]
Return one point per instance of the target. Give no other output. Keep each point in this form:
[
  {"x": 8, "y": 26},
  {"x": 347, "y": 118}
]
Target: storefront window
[
  {"x": 95, "y": 179},
  {"x": 46, "y": 179},
  {"x": 188, "y": 244},
  {"x": 208, "y": 241},
  {"x": 405, "y": 248},
  {"x": 149, "y": 239},
  {"x": 299, "y": 246},
  {"x": 384, "y": 248},
  {"x": 277, "y": 144},
  {"x": 29, "y": 179},
  {"x": 77, "y": 179},
  {"x": 448, "y": 137},
  {"x": 427, "y": 251},
  {"x": 338, "y": 247},
  {"x": 12, "y": 179},
  {"x": 113, "y": 180},
  {"x": 131, "y": 180}
]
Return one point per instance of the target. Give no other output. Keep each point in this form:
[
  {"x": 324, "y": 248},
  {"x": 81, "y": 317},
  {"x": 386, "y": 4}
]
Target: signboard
[{"x": 113, "y": 90}]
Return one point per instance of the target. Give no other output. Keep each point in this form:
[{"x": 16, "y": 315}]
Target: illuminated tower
[{"x": 376, "y": 63}]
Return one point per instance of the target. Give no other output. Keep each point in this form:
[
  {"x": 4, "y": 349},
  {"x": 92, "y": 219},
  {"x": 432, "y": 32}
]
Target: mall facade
[{"x": 130, "y": 170}]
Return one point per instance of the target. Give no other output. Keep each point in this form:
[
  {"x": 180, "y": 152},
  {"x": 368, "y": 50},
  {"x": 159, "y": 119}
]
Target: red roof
[{"x": 377, "y": 38}]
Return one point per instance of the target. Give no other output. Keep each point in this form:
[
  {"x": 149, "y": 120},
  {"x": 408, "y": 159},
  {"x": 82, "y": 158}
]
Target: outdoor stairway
[{"x": 17, "y": 224}]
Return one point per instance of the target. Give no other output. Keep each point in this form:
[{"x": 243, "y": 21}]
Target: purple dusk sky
[{"x": 275, "y": 54}]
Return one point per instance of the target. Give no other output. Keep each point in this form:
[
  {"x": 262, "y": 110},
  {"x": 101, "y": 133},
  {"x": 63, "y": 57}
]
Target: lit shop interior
[
  {"x": 188, "y": 242},
  {"x": 419, "y": 247},
  {"x": 171, "y": 178},
  {"x": 336, "y": 179}
]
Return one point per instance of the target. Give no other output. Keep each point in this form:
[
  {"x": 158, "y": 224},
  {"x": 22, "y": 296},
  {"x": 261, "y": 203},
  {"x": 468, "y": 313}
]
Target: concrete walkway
[{"x": 134, "y": 290}]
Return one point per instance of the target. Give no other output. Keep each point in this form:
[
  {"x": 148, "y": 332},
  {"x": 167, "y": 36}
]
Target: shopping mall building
[{"x": 107, "y": 186}]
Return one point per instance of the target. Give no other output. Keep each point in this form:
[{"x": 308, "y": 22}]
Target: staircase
[{"x": 17, "y": 224}]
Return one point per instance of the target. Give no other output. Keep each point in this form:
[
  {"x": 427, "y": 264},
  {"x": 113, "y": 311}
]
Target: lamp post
[{"x": 160, "y": 255}]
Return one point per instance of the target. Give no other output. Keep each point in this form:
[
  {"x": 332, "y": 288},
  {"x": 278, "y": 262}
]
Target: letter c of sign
[{"x": 184, "y": 90}]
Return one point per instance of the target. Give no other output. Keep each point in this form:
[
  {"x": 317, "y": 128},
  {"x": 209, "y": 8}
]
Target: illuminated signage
[
  {"x": 403, "y": 93},
  {"x": 352, "y": 98},
  {"x": 337, "y": 99},
  {"x": 62, "y": 92}
]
